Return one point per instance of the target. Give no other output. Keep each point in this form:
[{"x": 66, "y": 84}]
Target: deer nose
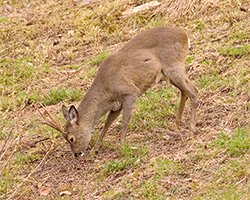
[{"x": 78, "y": 154}]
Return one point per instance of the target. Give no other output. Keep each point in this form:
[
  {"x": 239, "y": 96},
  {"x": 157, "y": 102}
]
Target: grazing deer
[{"x": 122, "y": 78}]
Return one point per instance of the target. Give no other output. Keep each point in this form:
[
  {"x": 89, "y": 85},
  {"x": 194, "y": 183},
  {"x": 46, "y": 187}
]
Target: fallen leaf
[
  {"x": 65, "y": 193},
  {"x": 44, "y": 189}
]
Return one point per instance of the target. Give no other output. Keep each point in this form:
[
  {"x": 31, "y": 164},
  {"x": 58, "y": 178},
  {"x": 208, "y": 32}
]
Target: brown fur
[{"x": 127, "y": 74}]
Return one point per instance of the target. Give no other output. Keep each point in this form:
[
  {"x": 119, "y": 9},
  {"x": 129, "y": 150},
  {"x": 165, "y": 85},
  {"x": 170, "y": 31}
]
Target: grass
[
  {"x": 154, "y": 109},
  {"x": 235, "y": 145},
  {"x": 165, "y": 167},
  {"x": 61, "y": 94},
  {"x": 224, "y": 183},
  {"x": 41, "y": 59},
  {"x": 98, "y": 59},
  {"x": 130, "y": 156},
  {"x": 236, "y": 51},
  {"x": 190, "y": 60},
  {"x": 200, "y": 26},
  {"x": 119, "y": 165},
  {"x": 19, "y": 70},
  {"x": 128, "y": 151},
  {"x": 26, "y": 158},
  {"x": 214, "y": 78},
  {"x": 151, "y": 190},
  {"x": 7, "y": 181}
]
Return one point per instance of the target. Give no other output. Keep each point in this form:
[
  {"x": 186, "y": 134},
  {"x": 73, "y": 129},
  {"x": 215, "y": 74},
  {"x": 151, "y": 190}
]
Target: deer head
[{"x": 71, "y": 131}]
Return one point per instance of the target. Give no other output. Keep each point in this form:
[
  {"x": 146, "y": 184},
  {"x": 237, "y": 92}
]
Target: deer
[{"x": 122, "y": 78}]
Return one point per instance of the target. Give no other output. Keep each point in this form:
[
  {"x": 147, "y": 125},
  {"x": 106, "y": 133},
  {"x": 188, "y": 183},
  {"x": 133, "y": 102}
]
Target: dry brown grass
[{"x": 49, "y": 43}]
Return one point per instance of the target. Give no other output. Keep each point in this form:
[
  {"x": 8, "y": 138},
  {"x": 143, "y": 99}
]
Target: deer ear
[
  {"x": 65, "y": 112},
  {"x": 73, "y": 114}
]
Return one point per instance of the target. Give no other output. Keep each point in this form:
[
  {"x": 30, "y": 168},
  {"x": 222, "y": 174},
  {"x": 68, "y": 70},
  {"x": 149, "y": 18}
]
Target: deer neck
[{"x": 94, "y": 105}]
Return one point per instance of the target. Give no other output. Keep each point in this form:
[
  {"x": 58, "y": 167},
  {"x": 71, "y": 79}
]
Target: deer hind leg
[
  {"x": 128, "y": 107},
  {"x": 110, "y": 119},
  {"x": 178, "y": 78},
  {"x": 181, "y": 108}
]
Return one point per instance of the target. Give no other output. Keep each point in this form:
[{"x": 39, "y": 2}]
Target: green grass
[
  {"x": 214, "y": 79},
  {"x": 151, "y": 190},
  {"x": 26, "y": 157},
  {"x": 190, "y": 60},
  {"x": 113, "y": 194},
  {"x": 18, "y": 77},
  {"x": 130, "y": 156},
  {"x": 98, "y": 59},
  {"x": 224, "y": 182},
  {"x": 235, "y": 145},
  {"x": 120, "y": 165},
  {"x": 235, "y": 51},
  {"x": 19, "y": 71},
  {"x": 153, "y": 109},
  {"x": 200, "y": 25},
  {"x": 129, "y": 151},
  {"x": 165, "y": 167},
  {"x": 3, "y": 19},
  {"x": 61, "y": 94},
  {"x": 7, "y": 181}
]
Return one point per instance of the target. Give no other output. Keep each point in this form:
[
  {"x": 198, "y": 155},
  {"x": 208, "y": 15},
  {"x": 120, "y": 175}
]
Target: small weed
[
  {"x": 74, "y": 67},
  {"x": 208, "y": 62},
  {"x": 190, "y": 60},
  {"x": 3, "y": 19},
  {"x": 235, "y": 51},
  {"x": 237, "y": 144},
  {"x": 5, "y": 103},
  {"x": 200, "y": 26}
]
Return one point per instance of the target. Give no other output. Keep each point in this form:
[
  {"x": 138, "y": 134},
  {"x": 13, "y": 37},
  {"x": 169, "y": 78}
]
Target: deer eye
[{"x": 71, "y": 139}]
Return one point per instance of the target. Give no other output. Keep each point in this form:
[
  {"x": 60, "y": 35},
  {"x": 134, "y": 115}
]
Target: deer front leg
[
  {"x": 128, "y": 107},
  {"x": 110, "y": 119}
]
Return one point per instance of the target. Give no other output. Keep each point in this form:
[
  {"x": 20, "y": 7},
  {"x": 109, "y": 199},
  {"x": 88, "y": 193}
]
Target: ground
[{"x": 49, "y": 53}]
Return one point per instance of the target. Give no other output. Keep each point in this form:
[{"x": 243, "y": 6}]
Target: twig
[
  {"x": 41, "y": 140},
  {"x": 31, "y": 173},
  {"x": 6, "y": 147},
  {"x": 12, "y": 153},
  {"x": 3, "y": 147}
]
